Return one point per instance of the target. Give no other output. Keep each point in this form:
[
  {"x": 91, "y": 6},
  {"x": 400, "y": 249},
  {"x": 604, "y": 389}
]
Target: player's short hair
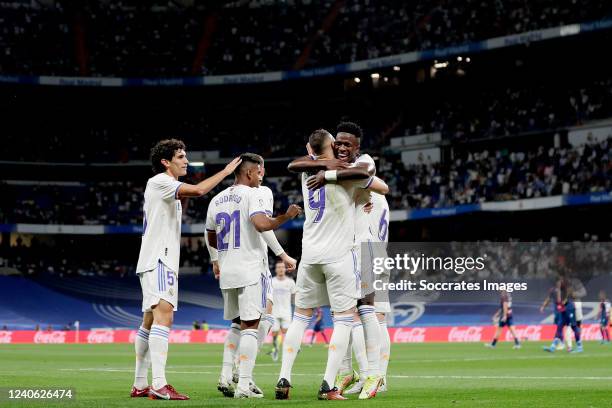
[
  {"x": 317, "y": 140},
  {"x": 248, "y": 158},
  {"x": 350, "y": 127},
  {"x": 164, "y": 149}
]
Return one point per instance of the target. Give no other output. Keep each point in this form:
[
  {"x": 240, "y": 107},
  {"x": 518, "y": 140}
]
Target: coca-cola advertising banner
[{"x": 456, "y": 334}]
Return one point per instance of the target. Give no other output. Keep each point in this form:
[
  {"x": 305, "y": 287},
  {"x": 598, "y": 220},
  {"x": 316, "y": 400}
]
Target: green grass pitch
[{"x": 420, "y": 375}]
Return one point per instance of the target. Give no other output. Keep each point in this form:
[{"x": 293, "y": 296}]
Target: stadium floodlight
[
  {"x": 439, "y": 65},
  {"x": 357, "y": 80},
  {"x": 396, "y": 68},
  {"x": 375, "y": 75},
  {"x": 197, "y": 164},
  {"x": 460, "y": 58},
  {"x": 467, "y": 59}
]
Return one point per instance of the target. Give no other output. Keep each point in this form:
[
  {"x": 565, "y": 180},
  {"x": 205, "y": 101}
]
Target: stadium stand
[{"x": 113, "y": 38}]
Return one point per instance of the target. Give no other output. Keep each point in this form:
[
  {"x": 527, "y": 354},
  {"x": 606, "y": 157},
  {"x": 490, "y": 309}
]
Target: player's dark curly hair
[
  {"x": 248, "y": 158},
  {"x": 164, "y": 149},
  {"x": 350, "y": 127}
]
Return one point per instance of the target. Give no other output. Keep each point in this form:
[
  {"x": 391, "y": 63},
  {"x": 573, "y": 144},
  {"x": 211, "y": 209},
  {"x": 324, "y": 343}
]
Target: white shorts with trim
[
  {"x": 267, "y": 282},
  {"x": 381, "y": 296},
  {"x": 281, "y": 322},
  {"x": 157, "y": 284},
  {"x": 336, "y": 284},
  {"x": 248, "y": 302},
  {"x": 369, "y": 251}
]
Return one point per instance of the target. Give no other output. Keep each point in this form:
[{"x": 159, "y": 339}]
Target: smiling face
[
  {"x": 346, "y": 147},
  {"x": 177, "y": 167}
]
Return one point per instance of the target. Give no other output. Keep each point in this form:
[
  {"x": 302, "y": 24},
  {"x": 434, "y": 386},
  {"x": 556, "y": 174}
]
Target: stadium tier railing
[{"x": 339, "y": 69}]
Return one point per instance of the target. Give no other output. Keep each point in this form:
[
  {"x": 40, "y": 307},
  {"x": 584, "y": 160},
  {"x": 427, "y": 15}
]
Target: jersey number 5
[{"x": 224, "y": 220}]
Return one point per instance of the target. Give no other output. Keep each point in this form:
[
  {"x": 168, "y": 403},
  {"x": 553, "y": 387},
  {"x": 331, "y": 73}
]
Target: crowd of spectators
[
  {"x": 167, "y": 39},
  {"x": 501, "y": 175},
  {"x": 280, "y": 129},
  {"x": 58, "y": 257},
  {"x": 475, "y": 177}
]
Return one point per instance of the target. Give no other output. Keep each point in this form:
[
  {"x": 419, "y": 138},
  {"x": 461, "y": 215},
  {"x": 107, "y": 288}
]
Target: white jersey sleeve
[
  {"x": 161, "y": 236},
  {"x": 269, "y": 238},
  {"x": 239, "y": 244},
  {"x": 379, "y": 218},
  {"x": 362, "y": 197},
  {"x": 165, "y": 187}
]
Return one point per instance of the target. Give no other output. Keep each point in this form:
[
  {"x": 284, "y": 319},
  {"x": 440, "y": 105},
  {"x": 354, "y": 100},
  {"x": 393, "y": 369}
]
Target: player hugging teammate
[{"x": 336, "y": 185}]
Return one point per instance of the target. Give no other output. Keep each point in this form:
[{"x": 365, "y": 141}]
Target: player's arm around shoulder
[
  {"x": 203, "y": 187},
  {"x": 309, "y": 164}
]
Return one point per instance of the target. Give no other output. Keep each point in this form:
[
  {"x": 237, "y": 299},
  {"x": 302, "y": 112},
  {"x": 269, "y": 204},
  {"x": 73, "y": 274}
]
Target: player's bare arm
[
  {"x": 353, "y": 173},
  {"x": 203, "y": 187},
  {"x": 306, "y": 164},
  {"x": 262, "y": 222}
]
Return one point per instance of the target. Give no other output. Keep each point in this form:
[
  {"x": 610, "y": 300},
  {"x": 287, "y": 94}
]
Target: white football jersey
[
  {"x": 266, "y": 194},
  {"x": 362, "y": 197},
  {"x": 239, "y": 244},
  {"x": 379, "y": 218},
  {"x": 161, "y": 235},
  {"x": 282, "y": 289},
  {"x": 329, "y": 228}
]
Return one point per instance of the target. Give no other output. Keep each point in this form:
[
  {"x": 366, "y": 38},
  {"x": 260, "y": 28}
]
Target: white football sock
[
  {"x": 337, "y": 346},
  {"x": 359, "y": 348},
  {"x": 265, "y": 324},
  {"x": 385, "y": 347},
  {"x": 347, "y": 361},
  {"x": 248, "y": 353},
  {"x": 292, "y": 344},
  {"x": 229, "y": 351},
  {"x": 158, "y": 345},
  {"x": 371, "y": 332},
  {"x": 141, "y": 345}
]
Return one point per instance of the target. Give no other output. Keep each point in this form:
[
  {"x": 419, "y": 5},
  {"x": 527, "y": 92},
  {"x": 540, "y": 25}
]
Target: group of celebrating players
[{"x": 345, "y": 211}]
